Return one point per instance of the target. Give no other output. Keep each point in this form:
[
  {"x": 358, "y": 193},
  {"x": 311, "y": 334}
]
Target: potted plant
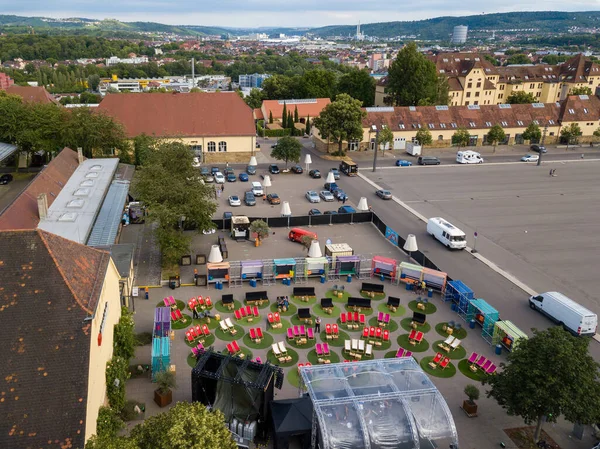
[
  {"x": 469, "y": 405},
  {"x": 163, "y": 395}
]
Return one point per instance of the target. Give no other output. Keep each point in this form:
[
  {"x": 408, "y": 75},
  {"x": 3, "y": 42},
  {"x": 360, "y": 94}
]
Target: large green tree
[
  {"x": 255, "y": 98},
  {"x": 341, "y": 120},
  {"x": 547, "y": 376},
  {"x": 583, "y": 90},
  {"x": 287, "y": 149},
  {"x": 520, "y": 97},
  {"x": 461, "y": 137},
  {"x": 496, "y": 134},
  {"x": 519, "y": 59},
  {"x": 533, "y": 133},
  {"x": 385, "y": 138},
  {"x": 570, "y": 133},
  {"x": 424, "y": 136},
  {"x": 358, "y": 84},
  {"x": 318, "y": 84},
  {"x": 413, "y": 80}
]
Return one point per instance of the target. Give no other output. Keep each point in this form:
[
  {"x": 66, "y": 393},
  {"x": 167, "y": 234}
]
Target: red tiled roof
[
  {"x": 311, "y": 107},
  {"x": 22, "y": 213},
  {"x": 459, "y": 64},
  {"x": 258, "y": 115},
  {"x": 585, "y": 109},
  {"x": 31, "y": 94},
  {"x": 181, "y": 115}
]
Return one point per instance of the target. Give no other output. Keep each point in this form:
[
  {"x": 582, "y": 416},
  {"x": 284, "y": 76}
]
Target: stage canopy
[
  {"x": 384, "y": 403},
  {"x": 292, "y": 418}
]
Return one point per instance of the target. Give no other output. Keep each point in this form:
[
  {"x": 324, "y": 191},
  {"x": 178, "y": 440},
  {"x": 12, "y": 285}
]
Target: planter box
[
  {"x": 470, "y": 409},
  {"x": 162, "y": 400}
]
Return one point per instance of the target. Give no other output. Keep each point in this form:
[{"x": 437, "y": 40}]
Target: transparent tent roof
[{"x": 379, "y": 404}]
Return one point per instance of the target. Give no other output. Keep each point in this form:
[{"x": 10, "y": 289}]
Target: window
[
  {"x": 476, "y": 102},
  {"x": 353, "y": 145},
  {"x": 538, "y": 94},
  {"x": 540, "y": 85},
  {"x": 443, "y": 125},
  {"x": 431, "y": 126},
  {"x": 440, "y": 137},
  {"x": 401, "y": 126},
  {"x": 466, "y": 103},
  {"x": 472, "y": 124},
  {"x": 500, "y": 96},
  {"x": 468, "y": 94},
  {"x": 551, "y": 122},
  {"x": 502, "y": 86},
  {"x": 453, "y": 125},
  {"x": 478, "y": 85},
  {"x": 489, "y": 124},
  {"x": 212, "y": 147},
  {"x": 532, "y": 86},
  {"x": 585, "y": 111},
  {"x": 222, "y": 146},
  {"x": 469, "y": 85},
  {"x": 196, "y": 149},
  {"x": 571, "y": 111},
  {"x": 476, "y": 94},
  {"x": 519, "y": 122},
  {"x": 535, "y": 122}
]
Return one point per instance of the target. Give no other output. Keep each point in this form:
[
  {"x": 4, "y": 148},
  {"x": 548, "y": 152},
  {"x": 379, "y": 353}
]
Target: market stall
[
  {"x": 434, "y": 279},
  {"x": 507, "y": 334},
  {"x": 284, "y": 268},
  {"x": 217, "y": 272},
  {"x": 409, "y": 272},
  {"x": 484, "y": 315},
  {"x": 252, "y": 269},
  {"x": 316, "y": 266},
  {"x": 334, "y": 250},
  {"x": 460, "y": 295},
  {"x": 347, "y": 265},
  {"x": 383, "y": 266}
]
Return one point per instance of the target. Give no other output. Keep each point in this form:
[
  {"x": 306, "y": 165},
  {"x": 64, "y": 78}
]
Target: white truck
[
  {"x": 413, "y": 148},
  {"x": 563, "y": 310},
  {"x": 447, "y": 233}
]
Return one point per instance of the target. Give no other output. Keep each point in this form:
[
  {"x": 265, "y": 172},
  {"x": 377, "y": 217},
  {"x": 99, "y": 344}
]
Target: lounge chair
[
  {"x": 419, "y": 337},
  {"x": 386, "y": 335},
  {"x": 190, "y": 338},
  {"x": 224, "y": 327},
  {"x": 400, "y": 352},
  {"x": 445, "y": 345},
  {"x": 310, "y": 333},
  {"x": 361, "y": 346},
  {"x": 296, "y": 331},
  {"x": 303, "y": 330},
  {"x": 259, "y": 333},
  {"x": 205, "y": 330},
  {"x": 258, "y": 360},
  {"x": 343, "y": 318},
  {"x": 335, "y": 331},
  {"x": 378, "y": 333},
  {"x": 347, "y": 346},
  {"x": 372, "y": 332},
  {"x": 229, "y": 323},
  {"x": 380, "y": 318},
  {"x": 354, "y": 344},
  {"x": 362, "y": 319},
  {"x": 255, "y": 312},
  {"x": 486, "y": 365},
  {"x": 369, "y": 350},
  {"x": 478, "y": 363},
  {"x": 436, "y": 360},
  {"x": 319, "y": 349},
  {"x": 473, "y": 357},
  {"x": 365, "y": 333},
  {"x": 491, "y": 369},
  {"x": 252, "y": 334},
  {"x": 386, "y": 319},
  {"x": 238, "y": 315},
  {"x": 275, "y": 348},
  {"x": 166, "y": 301},
  {"x": 325, "y": 349},
  {"x": 408, "y": 354},
  {"x": 444, "y": 363},
  {"x": 282, "y": 347},
  {"x": 290, "y": 334},
  {"x": 412, "y": 335},
  {"x": 455, "y": 344},
  {"x": 195, "y": 352}
]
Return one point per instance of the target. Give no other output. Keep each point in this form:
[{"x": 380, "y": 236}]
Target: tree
[
  {"x": 583, "y": 90},
  {"x": 307, "y": 130},
  {"x": 306, "y": 241},
  {"x": 519, "y": 59},
  {"x": 142, "y": 145},
  {"x": 271, "y": 117},
  {"x": 317, "y": 83},
  {"x": 93, "y": 82},
  {"x": 597, "y": 133},
  {"x": 520, "y": 97},
  {"x": 260, "y": 228},
  {"x": 296, "y": 118},
  {"x": 424, "y": 136},
  {"x": 255, "y": 98},
  {"x": 358, "y": 84},
  {"x": 284, "y": 116},
  {"x": 341, "y": 120},
  {"x": 290, "y": 122},
  {"x": 554, "y": 362},
  {"x": 124, "y": 338},
  {"x": 496, "y": 134},
  {"x": 533, "y": 133},
  {"x": 570, "y": 133},
  {"x": 461, "y": 137},
  {"x": 287, "y": 149},
  {"x": 413, "y": 80},
  {"x": 385, "y": 139}
]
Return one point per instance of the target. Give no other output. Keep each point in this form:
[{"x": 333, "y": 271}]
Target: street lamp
[
  {"x": 267, "y": 183},
  {"x": 215, "y": 255},
  {"x": 330, "y": 177},
  {"x": 253, "y": 161},
  {"x": 410, "y": 246},
  {"x": 376, "y": 129},
  {"x": 307, "y": 161},
  {"x": 539, "y": 162}
]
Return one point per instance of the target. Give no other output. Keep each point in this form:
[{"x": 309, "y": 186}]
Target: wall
[{"x": 99, "y": 355}]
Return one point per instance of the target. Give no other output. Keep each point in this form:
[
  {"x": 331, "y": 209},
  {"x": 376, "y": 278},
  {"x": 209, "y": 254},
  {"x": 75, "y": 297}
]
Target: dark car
[
  {"x": 214, "y": 170},
  {"x": 331, "y": 212},
  {"x": 336, "y": 173},
  {"x": 538, "y": 148},
  {"x": 251, "y": 169},
  {"x": 346, "y": 210},
  {"x": 384, "y": 194},
  {"x": 340, "y": 194},
  {"x": 314, "y": 212},
  {"x": 428, "y": 160},
  {"x": 228, "y": 171},
  {"x": 297, "y": 169},
  {"x": 314, "y": 174},
  {"x": 6, "y": 178},
  {"x": 273, "y": 198},
  {"x": 243, "y": 177},
  {"x": 274, "y": 169},
  {"x": 331, "y": 186},
  {"x": 204, "y": 171},
  {"x": 249, "y": 199},
  {"x": 231, "y": 177}
]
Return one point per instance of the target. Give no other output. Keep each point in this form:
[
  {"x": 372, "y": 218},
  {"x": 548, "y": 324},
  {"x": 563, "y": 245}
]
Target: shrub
[
  {"x": 108, "y": 423},
  {"x": 117, "y": 372},
  {"x": 143, "y": 338},
  {"x": 472, "y": 393},
  {"x": 128, "y": 413},
  {"x": 124, "y": 337}
]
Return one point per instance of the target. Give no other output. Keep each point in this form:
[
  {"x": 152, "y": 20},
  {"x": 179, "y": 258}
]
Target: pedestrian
[
  {"x": 582, "y": 155},
  {"x": 195, "y": 313},
  {"x": 550, "y": 174},
  {"x": 195, "y": 274},
  {"x": 218, "y": 193},
  {"x": 222, "y": 187},
  {"x": 344, "y": 200},
  {"x": 318, "y": 324}
]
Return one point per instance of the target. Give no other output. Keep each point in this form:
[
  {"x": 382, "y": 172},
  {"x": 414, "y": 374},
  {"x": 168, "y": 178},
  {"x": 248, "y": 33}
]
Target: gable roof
[
  {"x": 22, "y": 213},
  {"x": 31, "y": 94},
  {"x": 181, "y": 115},
  {"x": 460, "y": 64},
  {"x": 585, "y": 109},
  {"x": 49, "y": 286},
  {"x": 312, "y": 107}
]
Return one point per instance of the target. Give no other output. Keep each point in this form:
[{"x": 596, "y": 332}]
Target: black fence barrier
[{"x": 316, "y": 220}]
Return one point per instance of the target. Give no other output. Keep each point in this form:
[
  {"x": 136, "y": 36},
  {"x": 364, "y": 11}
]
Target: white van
[
  {"x": 446, "y": 233},
  {"x": 566, "y": 312},
  {"x": 257, "y": 188},
  {"x": 469, "y": 157}
]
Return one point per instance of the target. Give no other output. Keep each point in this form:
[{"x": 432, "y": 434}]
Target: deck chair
[
  {"x": 380, "y": 318},
  {"x": 173, "y": 316},
  {"x": 224, "y": 327},
  {"x": 195, "y": 351},
  {"x": 172, "y": 301},
  {"x": 361, "y": 346},
  {"x": 372, "y": 332},
  {"x": 319, "y": 349},
  {"x": 242, "y": 312},
  {"x": 472, "y": 358},
  {"x": 275, "y": 349},
  {"x": 259, "y": 333},
  {"x": 296, "y": 331},
  {"x": 208, "y": 302},
  {"x": 361, "y": 319},
  {"x": 336, "y": 331},
  {"x": 408, "y": 354},
  {"x": 310, "y": 333},
  {"x": 325, "y": 349},
  {"x": 436, "y": 360},
  {"x": 190, "y": 338},
  {"x": 419, "y": 337},
  {"x": 478, "y": 363},
  {"x": 386, "y": 319},
  {"x": 445, "y": 345},
  {"x": 290, "y": 334},
  {"x": 386, "y": 335},
  {"x": 347, "y": 346},
  {"x": 455, "y": 344},
  {"x": 282, "y": 347},
  {"x": 300, "y": 365},
  {"x": 277, "y": 318},
  {"x": 354, "y": 344},
  {"x": 167, "y": 303},
  {"x": 255, "y": 312},
  {"x": 378, "y": 333},
  {"x": 236, "y": 347},
  {"x": 252, "y": 334},
  {"x": 400, "y": 352},
  {"x": 237, "y": 314},
  {"x": 303, "y": 330},
  {"x": 491, "y": 369},
  {"x": 369, "y": 350},
  {"x": 486, "y": 365},
  {"x": 444, "y": 363},
  {"x": 200, "y": 347},
  {"x": 270, "y": 319},
  {"x": 178, "y": 314},
  {"x": 365, "y": 333},
  {"x": 343, "y": 318},
  {"x": 258, "y": 360},
  {"x": 328, "y": 329}
]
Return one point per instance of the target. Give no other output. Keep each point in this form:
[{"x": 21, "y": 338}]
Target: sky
[{"x": 285, "y": 13}]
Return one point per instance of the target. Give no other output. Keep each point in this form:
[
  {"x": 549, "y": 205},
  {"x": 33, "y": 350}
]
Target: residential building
[
  {"x": 5, "y": 81},
  {"x": 60, "y": 302},
  {"x": 31, "y": 94},
  {"x": 306, "y": 108},
  {"x": 216, "y": 126},
  {"x": 253, "y": 81},
  {"x": 133, "y": 59}
]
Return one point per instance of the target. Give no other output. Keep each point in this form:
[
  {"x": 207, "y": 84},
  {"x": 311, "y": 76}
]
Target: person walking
[
  {"x": 344, "y": 200},
  {"x": 318, "y": 324},
  {"x": 222, "y": 187}
]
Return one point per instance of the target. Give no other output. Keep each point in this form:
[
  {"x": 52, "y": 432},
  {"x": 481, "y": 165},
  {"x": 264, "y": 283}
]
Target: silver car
[
  {"x": 312, "y": 197},
  {"x": 326, "y": 195}
]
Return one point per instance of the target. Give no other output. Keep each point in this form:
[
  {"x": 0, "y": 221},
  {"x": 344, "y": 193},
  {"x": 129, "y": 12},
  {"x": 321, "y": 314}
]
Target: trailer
[
  {"x": 349, "y": 168},
  {"x": 240, "y": 227},
  {"x": 413, "y": 148},
  {"x": 334, "y": 250}
]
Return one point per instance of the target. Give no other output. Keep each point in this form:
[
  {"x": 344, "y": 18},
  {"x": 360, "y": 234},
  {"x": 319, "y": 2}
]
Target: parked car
[
  {"x": 346, "y": 210},
  {"x": 219, "y": 178},
  {"x": 251, "y": 169},
  {"x": 326, "y": 195},
  {"x": 257, "y": 188},
  {"x": 6, "y": 178},
  {"x": 234, "y": 200},
  {"x": 340, "y": 194},
  {"x": 249, "y": 199},
  {"x": 314, "y": 174},
  {"x": 228, "y": 171},
  {"x": 312, "y": 196},
  {"x": 403, "y": 163},
  {"x": 314, "y": 212},
  {"x": 215, "y": 170},
  {"x": 209, "y": 178},
  {"x": 297, "y": 169},
  {"x": 428, "y": 160},
  {"x": 330, "y": 212},
  {"x": 274, "y": 169},
  {"x": 336, "y": 173},
  {"x": 384, "y": 194},
  {"x": 538, "y": 148},
  {"x": 204, "y": 171},
  {"x": 331, "y": 186},
  {"x": 273, "y": 198},
  {"x": 231, "y": 178},
  {"x": 530, "y": 158},
  {"x": 243, "y": 177}
]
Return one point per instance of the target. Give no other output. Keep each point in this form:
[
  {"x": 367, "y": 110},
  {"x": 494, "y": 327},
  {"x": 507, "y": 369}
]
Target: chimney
[
  {"x": 80, "y": 155},
  {"x": 42, "y": 201}
]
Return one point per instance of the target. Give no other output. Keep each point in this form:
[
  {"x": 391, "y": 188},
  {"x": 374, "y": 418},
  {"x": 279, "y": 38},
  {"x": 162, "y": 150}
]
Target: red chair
[
  {"x": 419, "y": 337},
  {"x": 173, "y": 316},
  {"x": 386, "y": 335},
  {"x": 248, "y": 310},
  {"x": 236, "y": 347},
  {"x": 208, "y": 302},
  {"x": 365, "y": 332},
  {"x": 378, "y": 332},
  {"x": 259, "y": 333},
  {"x": 200, "y": 301},
  {"x": 372, "y": 332},
  {"x": 178, "y": 314},
  {"x": 277, "y": 317},
  {"x": 356, "y": 317},
  {"x": 270, "y": 318},
  {"x": 205, "y": 329},
  {"x": 343, "y": 318},
  {"x": 252, "y": 334},
  {"x": 230, "y": 348},
  {"x": 238, "y": 315},
  {"x": 243, "y": 312},
  {"x": 190, "y": 337},
  {"x": 328, "y": 329},
  {"x": 361, "y": 319},
  {"x": 336, "y": 329},
  {"x": 198, "y": 330},
  {"x": 412, "y": 335},
  {"x": 444, "y": 363},
  {"x": 349, "y": 317},
  {"x": 255, "y": 311}
]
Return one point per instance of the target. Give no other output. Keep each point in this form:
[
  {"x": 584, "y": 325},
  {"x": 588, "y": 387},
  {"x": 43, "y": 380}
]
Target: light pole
[
  {"x": 376, "y": 129},
  {"x": 307, "y": 161},
  {"x": 539, "y": 162}
]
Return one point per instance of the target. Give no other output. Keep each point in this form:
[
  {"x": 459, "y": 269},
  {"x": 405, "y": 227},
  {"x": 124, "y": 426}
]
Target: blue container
[
  {"x": 498, "y": 349},
  {"x": 349, "y": 278},
  {"x": 322, "y": 279},
  {"x": 402, "y": 275},
  {"x": 244, "y": 276},
  {"x": 252, "y": 282},
  {"x": 430, "y": 293},
  {"x": 382, "y": 278},
  {"x": 472, "y": 324},
  {"x": 408, "y": 286},
  {"x": 453, "y": 307}
]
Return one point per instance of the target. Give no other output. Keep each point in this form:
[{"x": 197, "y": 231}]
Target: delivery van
[
  {"x": 566, "y": 312},
  {"x": 296, "y": 234},
  {"x": 447, "y": 233}
]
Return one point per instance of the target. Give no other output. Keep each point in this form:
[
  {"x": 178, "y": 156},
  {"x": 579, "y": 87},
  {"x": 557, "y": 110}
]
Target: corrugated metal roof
[
  {"x": 6, "y": 149},
  {"x": 106, "y": 226}
]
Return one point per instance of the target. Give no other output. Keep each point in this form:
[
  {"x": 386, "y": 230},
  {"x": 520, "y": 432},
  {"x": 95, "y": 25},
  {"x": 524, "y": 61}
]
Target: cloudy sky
[{"x": 255, "y": 13}]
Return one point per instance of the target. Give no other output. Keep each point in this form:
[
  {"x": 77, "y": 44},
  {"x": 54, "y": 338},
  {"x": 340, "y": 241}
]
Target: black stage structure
[{"x": 292, "y": 418}]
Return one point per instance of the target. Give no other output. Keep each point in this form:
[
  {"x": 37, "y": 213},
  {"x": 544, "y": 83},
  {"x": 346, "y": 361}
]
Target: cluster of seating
[
  {"x": 300, "y": 334},
  {"x": 304, "y": 315},
  {"x": 197, "y": 350},
  {"x": 227, "y": 326},
  {"x": 352, "y": 320},
  {"x": 274, "y": 320},
  {"x": 375, "y": 335},
  {"x": 322, "y": 351},
  {"x": 169, "y": 301},
  {"x": 234, "y": 349},
  {"x": 304, "y": 293},
  {"x": 200, "y": 303},
  {"x": 327, "y": 305},
  {"x": 357, "y": 348},
  {"x": 452, "y": 327},
  {"x": 248, "y": 313},
  {"x": 403, "y": 353},
  {"x": 415, "y": 337},
  {"x": 451, "y": 343},
  {"x": 331, "y": 331},
  {"x": 197, "y": 334},
  {"x": 371, "y": 289},
  {"x": 256, "y": 335},
  {"x": 254, "y": 298},
  {"x": 383, "y": 319},
  {"x": 300, "y": 365},
  {"x": 439, "y": 360},
  {"x": 176, "y": 315},
  {"x": 228, "y": 301},
  {"x": 280, "y": 352},
  {"x": 393, "y": 303},
  {"x": 358, "y": 303},
  {"x": 479, "y": 362},
  {"x": 418, "y": 319}
]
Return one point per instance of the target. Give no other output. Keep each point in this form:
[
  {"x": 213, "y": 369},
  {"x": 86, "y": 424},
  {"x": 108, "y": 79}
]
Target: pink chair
[
  {"x": 486, "y": 365},
  {"x": 473, "y": 357},
  {"x": 400, "y": 352},
  {"x": 296, "y": 331},
  {"x": 290, "y": 334},
  {"x": 200, "y": 347},
  {"x": 172, "y": 301},
  {"x": 311, "y": 335},
  {"x": 325, "y": 348},
  {"x": 481, "y": 361},
  {"x": 491, "y": 369},
  {"x": 303, "y": 330},
  {"x": 167, "y": 303},
  {"x": 319, "y": 349},
  {"x": 195, "y": 352},
  {"x": 380, "y": 317},
  {"x": 408, "y": 354},
  {"x": 258, "y": 360},
  {"x": 386, "y": 318}
]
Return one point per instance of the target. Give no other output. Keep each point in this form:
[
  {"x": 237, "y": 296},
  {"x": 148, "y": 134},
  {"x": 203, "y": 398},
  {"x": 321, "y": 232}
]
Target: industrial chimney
[{"x": 42, "y": 201}]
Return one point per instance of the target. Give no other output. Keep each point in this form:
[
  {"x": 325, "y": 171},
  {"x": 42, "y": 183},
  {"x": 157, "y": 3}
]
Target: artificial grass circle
[
  {"x": 202, "y": 321},
  {"x": 338, "y": 342},
  {"x": 376, "y": 297},
  {"x": 191, "y": 360},
  {"x": 429, "y": 307},
  {"x": 183, "y": 323},
  {"x": 180, "y": 304},
  {"x": 298, "y": 322},
  {"x": 461, "y": 334},
  {"x": 273, "y": 360},
  {"x": 313, "y": 358},
  {"x": 292, "y": 309},
  {"x": 256, "y": 321},
  {"x": 457, "y": 354},
  {"x": 445, "y": 373},
  {"x": 309, "y": 343},
  {"x": 221, "y": 308},
  {"x": 317, "y": 310},
  {"x": 227, "y": 336},
  {"x": 419, "y": 347},
  {"x": 392, "y": 325},
  {"x": 365, "y": 312},
  {"x": 293, "y": 377},
  {"x": 264, "y": 305},
  {"x": 464, "y": 368},
  {"x": 265, "y": 343},
  {"x": 400, "y": 310},
  {"x": 405, "y": 323},
  {"x": 283, "y": 329},
  {"x": 312, "y": 300},
  {"x": 247, "y": 353},
  {"x": 343, "y": 299},
  {"x": 208, "y": 341}
]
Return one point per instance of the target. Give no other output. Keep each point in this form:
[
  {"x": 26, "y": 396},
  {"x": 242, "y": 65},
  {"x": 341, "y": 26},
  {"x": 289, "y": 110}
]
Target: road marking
[{"x": 544, "y": 161}]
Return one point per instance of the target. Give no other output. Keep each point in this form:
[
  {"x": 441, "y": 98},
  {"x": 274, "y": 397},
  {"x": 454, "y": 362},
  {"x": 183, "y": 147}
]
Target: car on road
[
  {"x": 214, "y": 170},
  {"x": 204, "y": 171},
  {"x": 403, "y": 163},
  {"x": 538, "y": 148},
  {"x": 234, "y": 200},
  {"x": 530, "y": 158},
  {"x": 249, "y": 199},
  {"x": 384, "y": 194},
  {"x": 340, "y": 195},
  {"x": 6, "y": 178},
  {"x": 274, "y": 169},
  {"x": 331, "y": 186},
  {"x": 227, "y": 215},
  {"x": 297, "y": 169},
  {"x": 314, "y": 174},
  {"x": 336, "y": 173},
  {"x": 428, "y": 160},
  {"x": 273, "y": 198},
  {"x": 326, "y": 195},
  {"x": 312, "y": 197},
  {"x": 219, "y": 178},
  {"x": 314, "y": 212},
  {"x": 228, "y": 171},
  {"x": 346, "y": 210},
  {"x": 251, "y": 169},
  {"x": 243, "y": 177},
  {"x": 231, "y": 177},
  {"x": 196, "y": 162},
  {"x": 330, "y": 212}
]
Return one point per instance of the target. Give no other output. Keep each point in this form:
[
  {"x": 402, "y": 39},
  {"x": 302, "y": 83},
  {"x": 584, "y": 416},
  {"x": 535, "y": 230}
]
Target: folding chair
[
  {"x": 290, "y": 334},
  {"x": 319, "y": 349},
  {"x": 258, "y": 360},
  {"x": 369, "y": 350},
  {"x": 275, "y": 349},
  {"x": 167, "y": 303},
  {"x": 354, "y": 344},
  {"x": 200, "y": 302},
  {"x": 491, "y": 369},
  {"x": 198, "y": 329},
  {"x": 356, "y": 317},
  {"x": 412, "y": 335},
  {"x": 386, "y": 335},
  {"x": 328, "y": 330},
  {"x": 408, "y": 354},
  {"x": 277, "y": 318},
  {"x": 455, "y": 344},
  {"x": 173, "y": 316},
  {"x": 270, "y": 319},
  {"x": 230, "y": 348},
  {"x": 365, "y": 333},
  {"x": 224, "y": 327},
  {"x": 236, "y": 347},
  {"x": 347, "y": 346},
  {"x": 303, "y": 330},
  {"x": 362, "y": 319},
  {"x": 378, "y": 333},
  {"x": 445, "y": 345},
  {"x": 361, "y": 346},
  {"x": 259, "y": 333},
  {"x": 310, "y": 333},
  {"x": 192, "y": 303},
  {"x": 300, "y": 365},
  {"x": 478, "y": 363},
  {"x": 419, "y": 337},
  {"x": 444, "y": 363},
  {"x": 238, "y": 315},
  {"x": 335, "y": 331},
  {"x": 473, "y": 357},
  {"x": 208, "y": 302},
  {"x": 230, "y": 325},
  {"x": 372, "y": 332},
  {"x": 486, "y": 365},
  {"x": 252, "y": 334},
  {"x": 249, "y": 310},
  {"x": 190, "y": 338},
  {"x": 195, "y": 352},
  {"x": 172, "y": 301},
  {"x": 349, "y": 318},
  {"x": 437, "y": 359},
  {"x": 255, "y": 312},
  {"x": 296, "y": 331},
  {"x": 178, "y": 314},
  {"x": 325, "y": 349},
  {"x": 343, "y": 318},
  {"x": 400, "y": 352},
  {"x": 242, "y": 312},
  {"x": 200, "y": 347},
  {"x": 386, "y": 319},
  {"x": 282, "y": 347},
  {"x": 380, "y": 317}
]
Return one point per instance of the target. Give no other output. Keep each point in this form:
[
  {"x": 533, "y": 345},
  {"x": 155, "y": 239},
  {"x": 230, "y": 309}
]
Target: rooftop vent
[
  {"x": 75, "y": 204},
  {"x": 84, "y": 191},
  {"x": 87, "y": 183},
  {"x": 91, "y": 175},
  {"x": 68, "y": 217}
]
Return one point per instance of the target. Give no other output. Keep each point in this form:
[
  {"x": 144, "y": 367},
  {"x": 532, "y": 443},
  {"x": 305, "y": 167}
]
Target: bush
[
  {"x": 143, "y": 338},
  {"x": 124, "y": 337},
  {"x": 472, "y": 393},
  {"x": 339, "y": 153},
  {"x": 108, "y": 423},
  {"x": 277, "y": 132},
  {"x": 116, "y": 369},
  {"x": 128, "y": 413}
]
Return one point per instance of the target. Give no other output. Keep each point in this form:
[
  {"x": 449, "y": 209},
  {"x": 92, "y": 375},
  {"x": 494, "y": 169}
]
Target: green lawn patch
[
  {"x": 183, "y": 323},
  {"x": 293, "y": 377},
  {"x": 343, "y": 299},
  {"x": 420, "y": 347},
  {"x": 191, "y": 360},
  {"x": 461, "y": 334},
  {"x": 405, "y": 323},
  {"x": 365, "y": 312},
  {"x": 180, "y": 304},
  {"x": 448, "y": 372},
  {"x": 283, "y": 329},
  {"x": 265, "y": 343},
  {"x": 429, "y": 307},
  {"x": 314, "y": 358},
  {"x": 292, "y": 310},
  {"x": 307, "y": 345},
  {"x": 339, "y": 342},
  {"x": 457, "y": 354},
  {"x": 273, "y": 360},
  {"x": 384, "y": 308},
  {"x": 345, "y": 327},
  {"x": 247, "y": 353},
  {"x": 464, "y": 367},
  {"x": 143, "y": 338},
  {"x": 385, "y": 345},
  {"x": 221, "y": 308},
  {"x": 392, "y": 325},
  {"x": 227, "y": 336},
  {"x": 320, "y": 312},
  {"x": 298, "y": 322}
]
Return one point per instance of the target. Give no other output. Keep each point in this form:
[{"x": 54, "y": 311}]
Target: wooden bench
[
  {"x": 419, "y": 318},
  {"x": 361, "y": 303},
  {"x": 304, "y": 315},
  {"x": 227, "y": 301},
  {"x": 256, "y": 297},
  {"x": 368, "y": 287},
  {"x": 304, "y": 291}
]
